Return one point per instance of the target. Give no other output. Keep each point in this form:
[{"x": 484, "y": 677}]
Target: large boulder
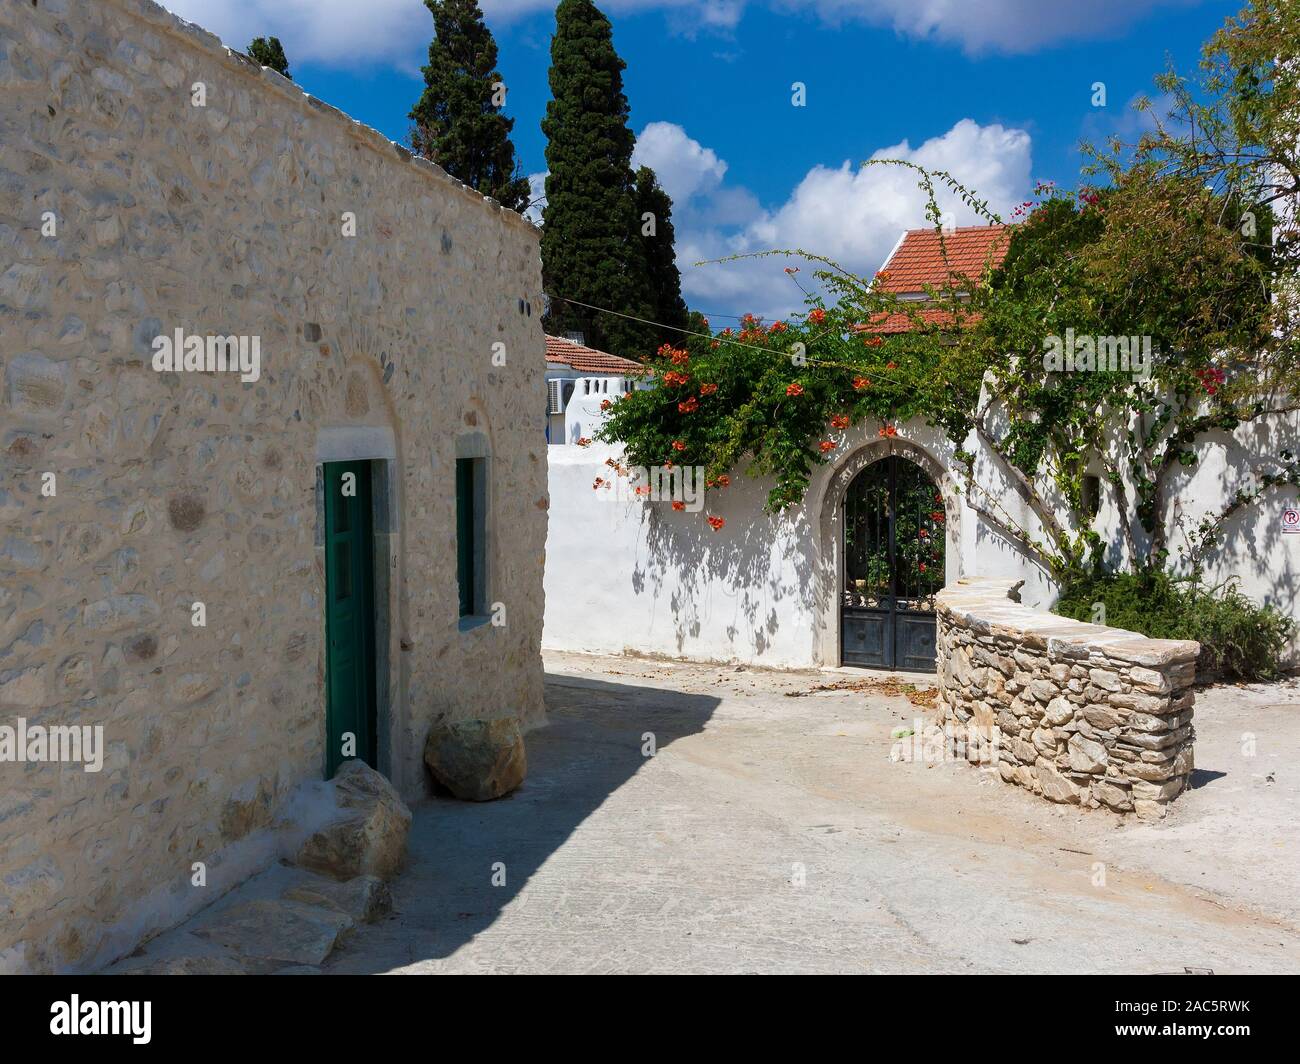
[
  {"x": 477, "y": 760},
  {"x": 368, "y": 835}
]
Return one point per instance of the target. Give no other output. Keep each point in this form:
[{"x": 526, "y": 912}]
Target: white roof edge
[{"x": 893, "y": 251}]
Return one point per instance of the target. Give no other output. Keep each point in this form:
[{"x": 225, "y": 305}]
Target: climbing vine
[{"x": 1165, "y": 251}]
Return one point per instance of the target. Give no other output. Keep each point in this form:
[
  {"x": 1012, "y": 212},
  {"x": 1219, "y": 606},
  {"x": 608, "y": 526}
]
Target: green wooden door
[{"x": 349, "y": 615}]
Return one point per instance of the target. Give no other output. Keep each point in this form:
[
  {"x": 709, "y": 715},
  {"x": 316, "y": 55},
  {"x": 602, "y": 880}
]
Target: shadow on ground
[
  {"x": 1202, "y": 776},
  {"x": 591, "y": 746}
]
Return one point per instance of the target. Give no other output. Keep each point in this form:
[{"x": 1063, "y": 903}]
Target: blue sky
[{"x": 998, "y": 91}]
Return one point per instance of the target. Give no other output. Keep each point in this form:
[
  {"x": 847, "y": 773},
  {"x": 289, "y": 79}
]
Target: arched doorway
[{"x": 893, "y": 526}]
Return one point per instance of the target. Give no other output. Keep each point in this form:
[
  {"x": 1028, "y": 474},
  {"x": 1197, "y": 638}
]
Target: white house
[{"x": 578, "y": 380}]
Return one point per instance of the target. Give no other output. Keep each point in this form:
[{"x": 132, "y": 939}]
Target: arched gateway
[
  {"x": 893, "y": 529},
  {"x": 890, "y": 538}
]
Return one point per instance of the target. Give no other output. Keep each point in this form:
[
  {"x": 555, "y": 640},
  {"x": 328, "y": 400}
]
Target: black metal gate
[{"x": 893, "y": 522}]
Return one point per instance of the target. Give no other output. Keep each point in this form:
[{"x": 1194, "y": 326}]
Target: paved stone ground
[{"x": 773, "y": 834}]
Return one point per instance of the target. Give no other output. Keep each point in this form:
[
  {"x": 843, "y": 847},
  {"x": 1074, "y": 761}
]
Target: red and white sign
[{"x": 1291, "y": 521}]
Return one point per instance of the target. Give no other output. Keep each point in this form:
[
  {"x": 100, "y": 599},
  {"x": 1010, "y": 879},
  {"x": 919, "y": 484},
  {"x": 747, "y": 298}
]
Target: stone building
[{"x": 272, "y": 484}]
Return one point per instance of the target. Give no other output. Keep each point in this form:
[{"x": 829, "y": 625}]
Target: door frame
[
  {"x": 830, "y": 555},
  {"x": 359, "y": 553},
  {"x": 376, "y": 445}
]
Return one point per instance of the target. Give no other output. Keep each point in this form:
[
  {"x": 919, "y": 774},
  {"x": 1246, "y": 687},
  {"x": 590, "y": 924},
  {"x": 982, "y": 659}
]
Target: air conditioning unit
[{"x": 558, "y": 393}]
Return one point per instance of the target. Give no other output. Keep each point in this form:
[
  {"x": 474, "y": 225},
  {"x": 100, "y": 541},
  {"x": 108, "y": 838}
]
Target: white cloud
[
  {"x": 358, "y": 32},
  {"x": 685, "y": 167},
  {"x": 340, "y": 32},
  {"x": 850, "y": 213},
  {"x": 536, "y": 197},
  {"x": 361, "y": 32},
  {"x": 989, "y": 25}
]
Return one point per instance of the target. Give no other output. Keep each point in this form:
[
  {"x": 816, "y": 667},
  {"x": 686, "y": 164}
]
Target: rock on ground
[
  {"x": 771, "y": 833},
  {"x": 270, "y": 935},
  {"x": 368, "y": 837},
  {"x": 217, "y": 963},
  {"x": 365, "y": 899},
  {"x": 477, "y": 760},
  {"x": 284, "y": 921}
]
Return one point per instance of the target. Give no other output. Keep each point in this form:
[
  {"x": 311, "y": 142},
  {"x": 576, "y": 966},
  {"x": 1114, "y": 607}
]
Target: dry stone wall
[
  {"x": 1077, "y": 713},
  {"x": 398, "y": 320}
]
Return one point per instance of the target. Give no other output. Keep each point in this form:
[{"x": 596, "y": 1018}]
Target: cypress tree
[
  {"x": 592, "y": 249},
  {"x": 270, "y": 53},
  {"x": 654, "y": 210},
  {"x": 458, "y": 119}
]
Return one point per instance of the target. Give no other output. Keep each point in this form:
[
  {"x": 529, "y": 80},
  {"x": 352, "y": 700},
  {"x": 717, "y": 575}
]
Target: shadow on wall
[
  {"x": 764, "y": 561},
  {"x": 591, "y": 747},
  {"x": 1253, "y": 545},
  {"x": 994, "y": 553}
]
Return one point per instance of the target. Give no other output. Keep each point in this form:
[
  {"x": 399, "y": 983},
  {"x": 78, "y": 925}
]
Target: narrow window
[{"x": 471, "y": 506}]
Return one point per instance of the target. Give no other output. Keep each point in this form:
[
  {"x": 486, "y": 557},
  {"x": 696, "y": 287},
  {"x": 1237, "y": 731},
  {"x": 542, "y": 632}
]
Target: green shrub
[{"x": 1239, "y": 639}]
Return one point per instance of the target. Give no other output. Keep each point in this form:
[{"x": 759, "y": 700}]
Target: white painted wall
[
  {"x": 582, "y": 415},
  {"x": 555, "y": 422},
  {"x": 1266, "y": 562},
  {"x": 637, "y": 576}
]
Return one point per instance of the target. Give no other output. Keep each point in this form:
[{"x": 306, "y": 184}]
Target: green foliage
[
  {"x": 654, "y": 210},
  {"x": 270, "y": 53},
  {"x": 458, "y": 121},
  {"x": 917, "y": 566},
  {"x": 592, "y": 250},
  {"x": 1239, "y": 639},
  {"x": 745, "y": 395},
  {"x": 982, "y": 373},
  {"x": 1160, "y": 251},
  {"x": 1235, "y": 124},
  {"x": 1151, "y": 256}
]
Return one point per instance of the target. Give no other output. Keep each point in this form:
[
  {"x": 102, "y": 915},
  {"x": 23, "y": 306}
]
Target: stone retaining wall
[{"x": 1078, "y": 713}]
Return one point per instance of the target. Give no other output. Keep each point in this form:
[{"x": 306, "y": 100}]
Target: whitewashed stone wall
[
  {"x": 172, "y": 489},
  {"x": 634, "y": 575},
  {"x": 1077, "y": 713}
]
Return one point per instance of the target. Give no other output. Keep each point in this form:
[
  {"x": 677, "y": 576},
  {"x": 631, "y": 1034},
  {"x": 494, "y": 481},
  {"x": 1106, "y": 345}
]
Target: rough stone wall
[
  {"x": 1077, "y": 713},
  {"x": 176, "y": 488}
]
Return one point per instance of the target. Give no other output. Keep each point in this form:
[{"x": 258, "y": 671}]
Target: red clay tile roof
[
  {"x": 918, "y": 259},
  {"x": 567, "y": 353},
  {"x": 901, "y": 321}
]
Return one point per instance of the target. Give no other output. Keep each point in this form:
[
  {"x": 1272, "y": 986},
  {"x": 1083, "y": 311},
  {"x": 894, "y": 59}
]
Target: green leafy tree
[
  {"x": 270, "y": 53},
  {"x": 592, "y": 251},
  {"x": 458, "y": 121},
  {"x": 1159, "y": 250},
  {"x": 654, "y": 209}
]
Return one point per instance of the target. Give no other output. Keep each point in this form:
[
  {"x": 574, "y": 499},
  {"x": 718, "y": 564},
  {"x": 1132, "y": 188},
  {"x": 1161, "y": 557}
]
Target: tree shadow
[
  {"x": 741, "y": 575},
  {"x": 591, "y": 746},
  {"x": 1253, "y": 546}
]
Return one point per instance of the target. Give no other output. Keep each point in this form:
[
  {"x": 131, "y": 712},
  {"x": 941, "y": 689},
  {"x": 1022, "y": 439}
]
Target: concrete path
[{"x": 771, "y": 833}]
